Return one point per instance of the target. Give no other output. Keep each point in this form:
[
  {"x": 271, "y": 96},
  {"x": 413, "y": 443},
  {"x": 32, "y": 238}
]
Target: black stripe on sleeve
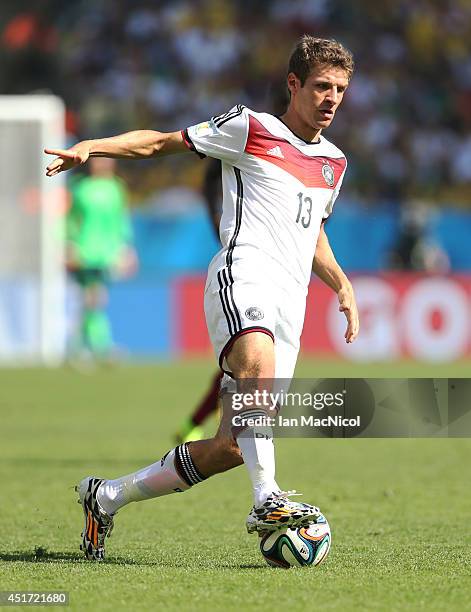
[
  {"x": 218, "y": 118},
  {"x": 190, "y": 145},
  {"x": 222, "y": 119}
]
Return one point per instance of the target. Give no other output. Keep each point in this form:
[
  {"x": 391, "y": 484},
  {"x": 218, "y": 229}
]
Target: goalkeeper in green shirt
[{"x": 99, "y": 248}]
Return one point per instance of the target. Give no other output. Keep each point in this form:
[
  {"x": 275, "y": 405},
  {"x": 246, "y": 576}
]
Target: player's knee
[
  {"x": 258, "y": 364},
  {"x": 251, "y": 368}
]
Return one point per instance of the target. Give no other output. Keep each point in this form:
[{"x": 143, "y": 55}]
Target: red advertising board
[{"x": 424, "y": 317}]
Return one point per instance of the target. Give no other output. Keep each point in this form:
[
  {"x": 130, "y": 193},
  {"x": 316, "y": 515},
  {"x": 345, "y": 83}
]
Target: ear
[{"x": 293, "y": 83}]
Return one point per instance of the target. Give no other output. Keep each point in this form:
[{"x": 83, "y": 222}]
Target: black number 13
[{"x": 306, "y": 218}]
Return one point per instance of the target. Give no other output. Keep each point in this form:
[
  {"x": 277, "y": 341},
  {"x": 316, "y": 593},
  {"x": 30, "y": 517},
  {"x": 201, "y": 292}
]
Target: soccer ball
[{"x": 297, "y": 547}]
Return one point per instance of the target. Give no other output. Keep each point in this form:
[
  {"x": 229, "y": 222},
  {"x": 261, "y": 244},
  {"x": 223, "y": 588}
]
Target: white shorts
[{"x": 238, "y": 303}]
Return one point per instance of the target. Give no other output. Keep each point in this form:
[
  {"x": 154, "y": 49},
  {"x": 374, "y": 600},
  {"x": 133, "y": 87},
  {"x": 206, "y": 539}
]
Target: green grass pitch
[{"x": 400, "y": 510}]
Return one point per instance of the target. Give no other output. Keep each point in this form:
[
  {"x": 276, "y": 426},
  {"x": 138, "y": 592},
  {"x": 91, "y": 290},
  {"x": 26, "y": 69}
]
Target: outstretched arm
[
  {"x": 325, "y": 266},
  {"x": 140, "y": 144}
]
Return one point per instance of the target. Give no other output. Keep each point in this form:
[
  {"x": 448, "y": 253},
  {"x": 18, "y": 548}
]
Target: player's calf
[{"x": 217, "y": 455}]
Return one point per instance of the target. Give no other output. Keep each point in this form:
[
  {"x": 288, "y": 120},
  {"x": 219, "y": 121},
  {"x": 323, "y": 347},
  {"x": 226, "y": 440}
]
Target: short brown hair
[{"x": 310, "y": 52}]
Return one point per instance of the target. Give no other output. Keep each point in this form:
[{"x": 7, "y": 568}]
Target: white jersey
[{"x": 277, "y": 189}]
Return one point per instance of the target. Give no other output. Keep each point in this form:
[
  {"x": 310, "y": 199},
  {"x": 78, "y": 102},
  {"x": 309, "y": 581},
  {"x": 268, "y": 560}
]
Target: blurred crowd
[{"x": 164, "y": 64}]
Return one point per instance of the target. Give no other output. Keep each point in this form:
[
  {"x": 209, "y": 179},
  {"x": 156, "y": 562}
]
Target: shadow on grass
[
  {"x": 248, "y": 566},
  {"x": 42, "y": 555}
]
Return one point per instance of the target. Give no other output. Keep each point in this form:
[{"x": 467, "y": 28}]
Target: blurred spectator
[
  {"x": 29, "y": 41},
  {"x": 407, "y": 117},
  {"x": 416, "y": 249}
]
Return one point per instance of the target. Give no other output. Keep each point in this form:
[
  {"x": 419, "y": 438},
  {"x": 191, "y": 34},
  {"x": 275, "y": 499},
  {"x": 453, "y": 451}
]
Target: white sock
[
  {"x": 160, "y": 478},
  {"x": 258, "y": 451}
]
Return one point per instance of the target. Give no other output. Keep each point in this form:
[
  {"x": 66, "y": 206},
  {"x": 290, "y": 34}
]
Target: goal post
[{"x": 32, "y": 209}]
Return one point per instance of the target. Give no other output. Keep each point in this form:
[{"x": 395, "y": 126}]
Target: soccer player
[
  {"x": 191, "y": 428},
  {"x": 280, "y": 181},
  {"x": 98, "y": 245}
]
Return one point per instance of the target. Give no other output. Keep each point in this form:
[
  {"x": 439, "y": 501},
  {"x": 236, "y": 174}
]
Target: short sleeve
[
  {"x": 223, "y": 137},
  {"x": 330, "y": 204}
]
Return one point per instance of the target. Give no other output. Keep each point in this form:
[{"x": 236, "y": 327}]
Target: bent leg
[
  {"x": 179, "y": 469},
  {"x": 251, "y": 358},
  {"x": 252, "y": 361}
]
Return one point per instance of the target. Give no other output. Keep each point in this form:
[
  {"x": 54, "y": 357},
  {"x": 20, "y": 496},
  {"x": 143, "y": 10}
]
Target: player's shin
[
  {"x": 174, "y": 473},
  {"x": 258, "y": 452}
]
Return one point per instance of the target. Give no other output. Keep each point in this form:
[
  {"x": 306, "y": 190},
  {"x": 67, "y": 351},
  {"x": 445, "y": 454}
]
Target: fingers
[
  {"x": 351, "y": 333},
  {"x": 353, "y": 328},
  {"x": 55, "y": 167},
  {"x": 348, "y": 306},
  {"x": 61, "y": 153},
  {"x": 353, "y": 324},
  {"x": 65, "y": 159}
]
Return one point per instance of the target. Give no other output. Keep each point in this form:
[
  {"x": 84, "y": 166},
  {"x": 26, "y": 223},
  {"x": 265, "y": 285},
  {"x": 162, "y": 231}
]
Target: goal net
[{"x": 32, "y": 207}]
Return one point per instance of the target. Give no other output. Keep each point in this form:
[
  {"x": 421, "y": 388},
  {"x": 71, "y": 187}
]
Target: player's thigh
[
  {"x": 252, "y": 363},
  {"x": 252, "y": 355},
  {"x": 241, "y": 320}
]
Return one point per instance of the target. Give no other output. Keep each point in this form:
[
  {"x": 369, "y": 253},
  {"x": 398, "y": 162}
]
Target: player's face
[{"x": 318, "y": 99}]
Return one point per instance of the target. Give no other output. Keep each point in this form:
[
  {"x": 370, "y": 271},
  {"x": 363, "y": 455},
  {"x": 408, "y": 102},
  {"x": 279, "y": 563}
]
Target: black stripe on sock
[
  {"x": 193, "y": 467},
  {"x": 188, "y": 465},
  {"x": 179, "y": 466},
  {"x": 252, "y": 413}
]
